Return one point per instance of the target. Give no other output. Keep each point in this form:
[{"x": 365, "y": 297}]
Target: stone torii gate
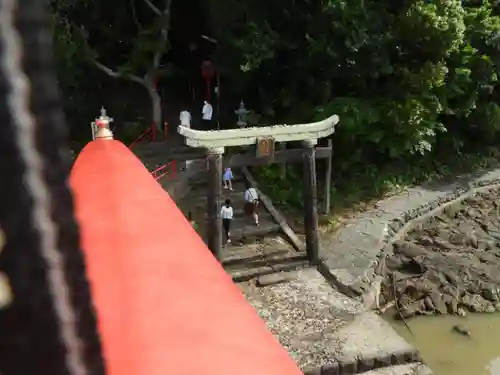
[{"x": 215, "y": 142}]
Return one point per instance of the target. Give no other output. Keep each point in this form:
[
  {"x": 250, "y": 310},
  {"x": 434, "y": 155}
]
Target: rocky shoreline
[{"x": 449, "y": 263}]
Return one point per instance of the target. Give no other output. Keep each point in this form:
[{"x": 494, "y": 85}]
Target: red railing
[
  {"x": 169, "y": 170},
  {"x": 165, "y": 130},
  {"x": 150, "y": 133}
]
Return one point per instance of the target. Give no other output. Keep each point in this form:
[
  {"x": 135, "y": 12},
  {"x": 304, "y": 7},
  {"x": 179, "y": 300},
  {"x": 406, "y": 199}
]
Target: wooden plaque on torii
[{"x": 265, "y": 147}]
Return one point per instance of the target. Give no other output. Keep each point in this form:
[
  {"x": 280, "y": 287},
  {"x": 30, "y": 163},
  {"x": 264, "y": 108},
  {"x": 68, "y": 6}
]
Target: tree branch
[
  {"x": 153, "y": 7},
  {"x": 113, "y": 74},
  {"x": 164, "y": 33},
  {"x": 134, "y": 15}
]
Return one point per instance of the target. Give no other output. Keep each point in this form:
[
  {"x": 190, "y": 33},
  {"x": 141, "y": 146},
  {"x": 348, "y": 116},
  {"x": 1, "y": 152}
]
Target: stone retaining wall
[
  {"x": 367, "y": 364},
  {"x": 398, "y": 227},
  {"x": 353, "y": 281}
]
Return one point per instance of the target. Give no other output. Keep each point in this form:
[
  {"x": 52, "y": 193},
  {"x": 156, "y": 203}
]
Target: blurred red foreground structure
[{"x": 165, "y": 306}]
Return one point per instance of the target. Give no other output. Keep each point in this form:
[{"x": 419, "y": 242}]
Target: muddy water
[{"x": 449, "y": 353}]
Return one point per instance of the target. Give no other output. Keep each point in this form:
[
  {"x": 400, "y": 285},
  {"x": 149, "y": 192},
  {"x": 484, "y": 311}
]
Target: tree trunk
[{"x": 156, "y": 109}]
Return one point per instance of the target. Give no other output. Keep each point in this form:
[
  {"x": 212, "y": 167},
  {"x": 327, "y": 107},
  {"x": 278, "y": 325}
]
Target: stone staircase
[
  {"x": 242, "y": 228},
  {"x": 255, "y": 250},
  {"x": 159, "y": 153}
]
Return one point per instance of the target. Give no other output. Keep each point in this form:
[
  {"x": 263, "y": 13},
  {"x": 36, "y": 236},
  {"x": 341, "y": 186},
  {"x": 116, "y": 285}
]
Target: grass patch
[{"x": 360, "y": 189}]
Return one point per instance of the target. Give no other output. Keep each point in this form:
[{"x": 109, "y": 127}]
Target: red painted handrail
[
  {"x": 165, "y": 130},
  {"x": 150, "y": 132},
  {"x": 169, "y": 169},
  {"x": 164, "y": 304}
]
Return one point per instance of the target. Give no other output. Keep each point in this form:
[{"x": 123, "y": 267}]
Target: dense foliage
[{"x": 413, "y": 81}]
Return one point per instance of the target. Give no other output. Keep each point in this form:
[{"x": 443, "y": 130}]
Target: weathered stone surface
[
  {"x": 451, "y": 261},
  {"x": 272, "y": 279},
  {"x": 332, "y": 368},
  {"x": 408, "y": 369}
]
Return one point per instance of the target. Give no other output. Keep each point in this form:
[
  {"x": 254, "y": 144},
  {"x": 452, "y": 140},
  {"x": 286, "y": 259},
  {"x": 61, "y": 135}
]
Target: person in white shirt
[
  {"x": 226, "y": 213},
  {"x": 185, "y": 118},
  {"x": 206, "y": 114},
  {"x": 251, "y": 203}
]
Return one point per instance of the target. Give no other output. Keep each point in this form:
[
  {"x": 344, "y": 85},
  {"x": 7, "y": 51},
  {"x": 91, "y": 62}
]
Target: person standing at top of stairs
[
  {"x": 185, "y": 118},
  {"x": 206, "y": 115}
]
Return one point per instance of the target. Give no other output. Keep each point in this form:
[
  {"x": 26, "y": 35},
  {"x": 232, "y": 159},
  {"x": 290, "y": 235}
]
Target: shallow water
[{"x": 449, "y": 353}]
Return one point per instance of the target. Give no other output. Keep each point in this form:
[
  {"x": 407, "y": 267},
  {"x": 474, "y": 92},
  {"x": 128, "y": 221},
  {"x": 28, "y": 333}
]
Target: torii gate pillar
[
  {"x": 311, "y": 201},
  {"x": 214, "y": 192}
]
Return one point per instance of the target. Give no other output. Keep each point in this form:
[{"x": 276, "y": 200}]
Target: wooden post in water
[
  {"x": 214, "y": 227},
  {"x": 328, "y": 180},
  {"x": 310, "y": 202}
]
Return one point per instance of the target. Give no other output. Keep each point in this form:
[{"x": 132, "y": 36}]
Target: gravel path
[
  {"x": 351, "y": 254},
  {"x": 321, "y": 327}
]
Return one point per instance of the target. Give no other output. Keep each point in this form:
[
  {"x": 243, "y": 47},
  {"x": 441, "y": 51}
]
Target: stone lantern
[
  {"x": 102, "y": 121},
  {"x": 242, "y": 113}
]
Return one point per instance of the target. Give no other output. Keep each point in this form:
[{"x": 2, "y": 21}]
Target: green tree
[{"x": 129, "y": 44}]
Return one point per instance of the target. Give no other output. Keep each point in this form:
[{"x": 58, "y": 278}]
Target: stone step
[
  {"x": 250, "y": 230},
  {"x": 201, "y": 180},
  {"x": 239, "y": 212},
  {"x": 251, "y": 271},
  {"x": 242, "y": 227},
  {"x": 236, "y": 196}
]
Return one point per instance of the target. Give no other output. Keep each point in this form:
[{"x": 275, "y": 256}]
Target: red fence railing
[
  {"x": 150, "y": 134},
  {"x": 169, "y": 170}
]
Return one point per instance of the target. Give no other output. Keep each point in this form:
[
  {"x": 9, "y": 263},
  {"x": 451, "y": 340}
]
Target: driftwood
[{"x": 398, "y": 308}]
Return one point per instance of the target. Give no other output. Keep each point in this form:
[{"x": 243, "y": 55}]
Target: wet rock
[
  {"x": 475, "y": 303},
  {"x": 394, "y": 262},
  {"x": 409, "y": 249},
  {"x": 452, "y": 277},
  {"x": 451, "y": 290},
  {"x": 453, "y": 307},
  {"x": 412, "y": 309},
  {"x": 438, "y": 302},
  {"x": 490, "y": 293},
  {"x": 490, "y": 309},
  {"x": 450, "y": 263},
  {"x": 461, "y": 312},
  {"x": 451, "y": 303},
  {"x": 458, "y": 328},
  {"x": 429, "y": 304},
  {"x": 425, "y": 241},
  {"x": 434, "y": 276},
  {"x": 442, "y": 244},
  {"x": 457, "y": 239}
]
